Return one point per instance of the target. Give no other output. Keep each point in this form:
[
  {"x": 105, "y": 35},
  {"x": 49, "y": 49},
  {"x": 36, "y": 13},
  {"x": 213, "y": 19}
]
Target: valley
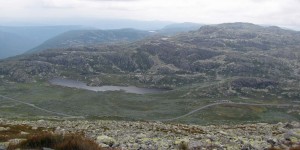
[{"x": 243, "y": 63}]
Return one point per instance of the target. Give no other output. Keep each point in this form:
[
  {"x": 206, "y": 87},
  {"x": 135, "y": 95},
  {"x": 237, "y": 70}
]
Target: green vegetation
[{"x": 125, "y": 106}]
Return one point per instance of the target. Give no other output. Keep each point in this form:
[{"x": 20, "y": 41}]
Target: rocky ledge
[{"x": 157, "y": 135}]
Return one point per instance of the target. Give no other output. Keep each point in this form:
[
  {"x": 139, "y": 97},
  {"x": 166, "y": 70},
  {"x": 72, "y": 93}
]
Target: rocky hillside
[
  {"x": 221, "y": 60},
  {"x": 157, "y": 135}
]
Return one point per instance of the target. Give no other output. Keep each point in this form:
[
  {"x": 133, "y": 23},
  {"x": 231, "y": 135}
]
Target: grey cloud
[{"x": 112, "y": 0}]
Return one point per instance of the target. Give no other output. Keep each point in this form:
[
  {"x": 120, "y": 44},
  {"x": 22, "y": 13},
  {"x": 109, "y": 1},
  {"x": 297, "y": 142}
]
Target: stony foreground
[{"x": 157, "y": 135}]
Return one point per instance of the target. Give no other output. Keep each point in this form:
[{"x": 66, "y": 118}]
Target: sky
[{"x": 285, "y": 13}]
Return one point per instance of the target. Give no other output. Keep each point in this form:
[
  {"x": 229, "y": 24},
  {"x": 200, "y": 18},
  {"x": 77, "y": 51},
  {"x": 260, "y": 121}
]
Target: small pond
[{"x": 81, "y": 85}]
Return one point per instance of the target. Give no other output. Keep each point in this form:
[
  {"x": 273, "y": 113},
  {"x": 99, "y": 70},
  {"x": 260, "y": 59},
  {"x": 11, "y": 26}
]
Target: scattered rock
[
  {"x": 289, "y": 126},
  {"x": 40, "y": 121},
  {"x": 3, "y": 145},
  {"x": 16, "y": 141},
  {"x": 59, "y": 130},
  {"x": 222, "y": 132},
  {"x": 272, "y": 142},
  {"x": 104, "y": 145},
  {"x": 157, "y": 135},
  {"x": 24, "y": 133},
  {"x": 34, "y": 128},
  {"x": 4, "y": 129}
]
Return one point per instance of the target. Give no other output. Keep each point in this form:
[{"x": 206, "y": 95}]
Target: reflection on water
[{"x": 81, "y": 85}]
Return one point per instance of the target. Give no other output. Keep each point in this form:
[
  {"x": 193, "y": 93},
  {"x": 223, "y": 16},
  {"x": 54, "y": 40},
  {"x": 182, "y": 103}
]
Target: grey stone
[
  {"x": 4, "y": 129},
  {"x": 4, "y": 145},
  {"x": 106, "y": 140}
]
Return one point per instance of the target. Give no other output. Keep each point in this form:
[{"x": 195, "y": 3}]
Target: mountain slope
[
  {"x": 237, "y": 59},
  {"x": 79, "y": 38}
]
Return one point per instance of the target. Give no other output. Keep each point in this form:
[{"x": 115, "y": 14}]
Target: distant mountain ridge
[
  {"x": 179, "y": 28},
  {"x": 77, "y": 38},
  {"x": 16, "y": 40}
]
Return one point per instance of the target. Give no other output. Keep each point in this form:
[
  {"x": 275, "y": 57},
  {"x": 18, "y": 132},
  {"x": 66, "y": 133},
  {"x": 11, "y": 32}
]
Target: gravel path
[{"x": 225, "y": 103}]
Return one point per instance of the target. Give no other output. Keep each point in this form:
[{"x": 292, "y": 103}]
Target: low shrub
[
  {"x": 75, "y": 142},
  {"x": 295, "y": 148},
  {"x": 57, "y": 142}
]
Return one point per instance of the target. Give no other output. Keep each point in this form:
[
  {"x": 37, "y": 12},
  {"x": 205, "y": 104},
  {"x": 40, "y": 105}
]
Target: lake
[{"x": 81, "y": 85}]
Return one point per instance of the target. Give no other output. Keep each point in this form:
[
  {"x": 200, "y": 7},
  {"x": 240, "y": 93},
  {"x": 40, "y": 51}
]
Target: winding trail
[
  {"x": 36, "y": 107},
  {"x": 163, "y": 120},
  {"x": 225, "y": 103}
]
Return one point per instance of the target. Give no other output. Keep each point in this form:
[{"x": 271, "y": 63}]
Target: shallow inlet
[{"x": 81, "y": 85}]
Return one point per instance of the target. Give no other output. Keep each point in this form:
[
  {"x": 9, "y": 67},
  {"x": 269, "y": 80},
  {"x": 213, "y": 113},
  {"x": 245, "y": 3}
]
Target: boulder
[
  {"x": 103, "y": 139},
  {"x": 45, "y": 148},
  {"x": 4, "y": 129},
  {"x": 34, "y": 128},
  {"x": 24, "y": 133},
  {"x": 16, "y": 141},
  {"x": 4, "y": 145}
]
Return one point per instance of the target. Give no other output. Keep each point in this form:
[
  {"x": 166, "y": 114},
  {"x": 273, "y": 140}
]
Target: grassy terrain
[{"x": 125, "y": 106}]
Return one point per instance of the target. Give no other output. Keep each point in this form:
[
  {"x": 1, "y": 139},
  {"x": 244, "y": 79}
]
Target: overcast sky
[{"x": 270, "y": 12}]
